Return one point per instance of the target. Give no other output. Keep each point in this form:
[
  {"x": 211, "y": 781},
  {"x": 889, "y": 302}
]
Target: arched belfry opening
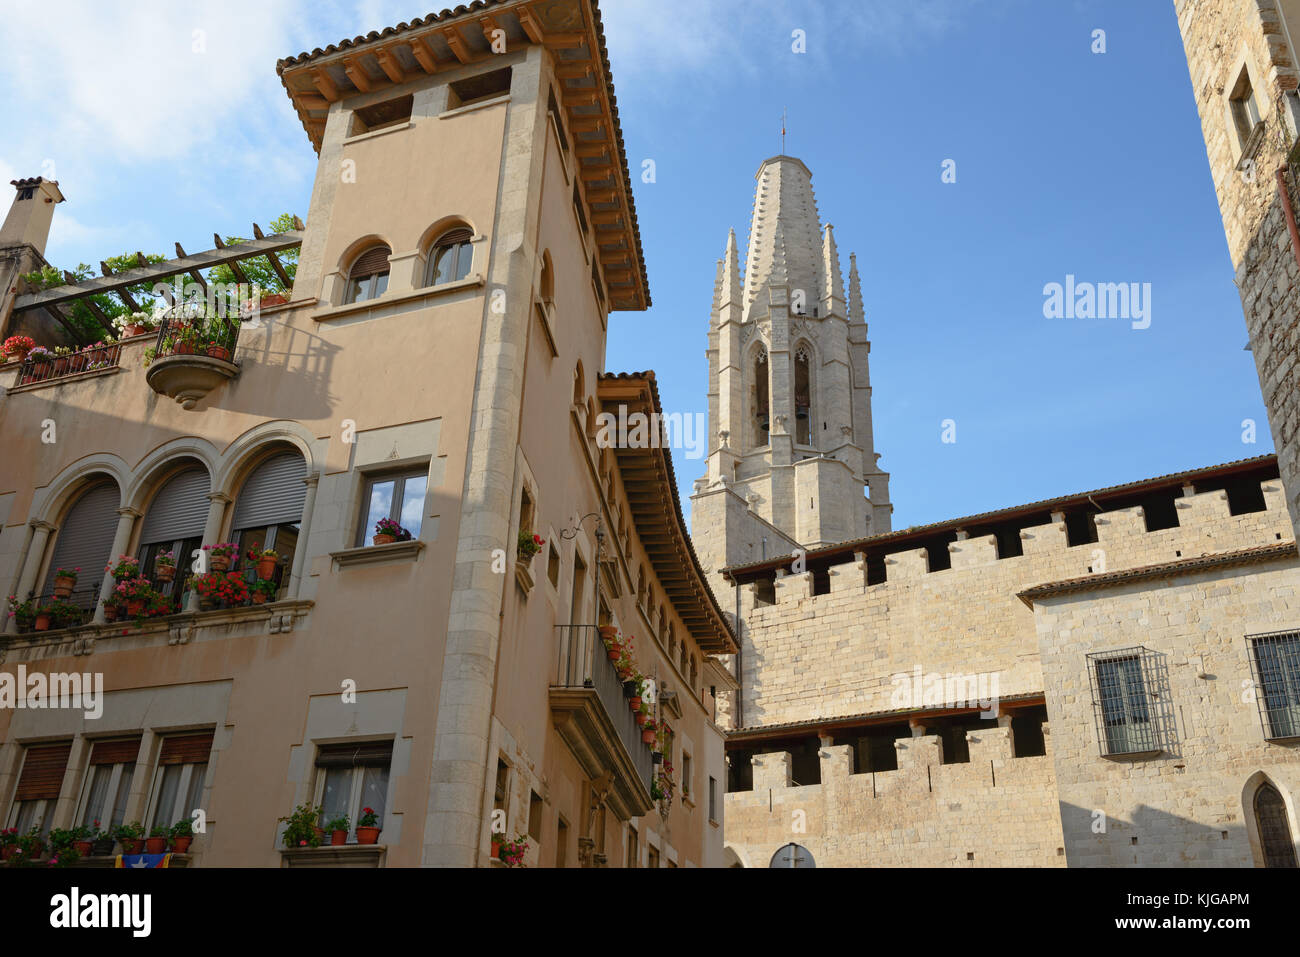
[
  {"x": 803, "y": 395},
  {"x": 761, "y": 414}
]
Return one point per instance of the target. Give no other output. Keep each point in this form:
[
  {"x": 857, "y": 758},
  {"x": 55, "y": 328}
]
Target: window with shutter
[
  {"x": 368, "y": 277},
  {"x": 268, "y": 512},
  {"x": 174, "y": 523},
  {"x": 178, "y": 785},
  {"x": 85, "y": 541},
  {"x": 353, "y": 777},
  {"x": 38, "y": 788},
  {"x": 450, "y": 258},
  {"x": 108, "y": 783}
]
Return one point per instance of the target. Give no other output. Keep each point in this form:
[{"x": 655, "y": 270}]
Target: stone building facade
[{"x": 439, "y": 361}]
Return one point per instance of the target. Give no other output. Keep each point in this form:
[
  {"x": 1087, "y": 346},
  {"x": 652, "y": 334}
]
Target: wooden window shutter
[
  {"x": 362, "y": 754},
  {"x": 186, "y": 748},
  {"x": 115, "y": 752},
  {"x": 371, "y": 262},
  {"x": 43, "y": 768},
  {"x": 454, "y": 237}
]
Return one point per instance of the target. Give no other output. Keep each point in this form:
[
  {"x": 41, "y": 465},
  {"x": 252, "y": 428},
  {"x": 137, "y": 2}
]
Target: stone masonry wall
[
  {"x": 1221, "y": 37},
  {"x": 1191, "y": 804}
]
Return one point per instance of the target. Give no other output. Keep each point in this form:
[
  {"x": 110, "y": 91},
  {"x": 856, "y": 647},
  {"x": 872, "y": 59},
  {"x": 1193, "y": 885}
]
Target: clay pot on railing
[
  {"x": 181, "y": 845},
  {"x": 42, "y": 621},
  {"x": 63, "y": 586},
  {"x": 164, "y": 573},
  {"x": 265, "y": 568}
]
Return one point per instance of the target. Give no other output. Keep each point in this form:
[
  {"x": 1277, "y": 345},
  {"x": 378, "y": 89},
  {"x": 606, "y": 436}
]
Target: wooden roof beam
[
  {"x": 424, "y": 55},
  {"x": 357, "y": 74},
  {"x": 456, "y": 43},
  {"x": 530, "y": 25},
  {"x": 322, "y": 81},
  {"x": 388, "y": 63}
]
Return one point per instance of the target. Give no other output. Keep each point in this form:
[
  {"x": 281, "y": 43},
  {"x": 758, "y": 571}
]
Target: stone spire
[
  {"x": 832, "y": 278},
  {"x": 785, "y": 225},
  {"x": 731, "y": 290},
  {"x": 856, "y": 312}
]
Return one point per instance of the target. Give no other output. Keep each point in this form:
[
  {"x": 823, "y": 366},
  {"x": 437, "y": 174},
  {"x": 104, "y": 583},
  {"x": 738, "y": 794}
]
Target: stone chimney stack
[{"x": 32, "y": 212}]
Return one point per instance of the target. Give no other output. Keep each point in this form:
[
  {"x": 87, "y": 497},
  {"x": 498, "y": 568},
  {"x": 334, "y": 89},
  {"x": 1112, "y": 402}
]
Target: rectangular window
[
  {"x": 1275, "y": 661},
  {"x": 282, "y": 538},
  {"x": 472, "y": 89},
  {"x": 1245, "y": 111},
  {"x": 399, "y": 496},
  {"x": 561, "y": 842},
  {"x": 178, "y": 785},
  {"x": 108, "y": 782},
  {"x": 713, "y": 799},
  {"x": 353, "y": 777},
  {"x": 535, "y": 807},
  {"x": 652, "y": 856},
  {"x": 577, "y": 613},
  {"x": 686, "y": 775},
  {"x": 39, "y": 784},
  {"x": 1123, "y": 704},
  {"x": 382, "y": 115},
  {"x": 631, "y": 847}
]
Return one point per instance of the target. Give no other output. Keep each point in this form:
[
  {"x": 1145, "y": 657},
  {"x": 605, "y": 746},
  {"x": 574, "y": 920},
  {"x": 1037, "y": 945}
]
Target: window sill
[
  {"x": 471, "y": 107},
  {"x": 335, "y": 855},
  {"x": 179, "y": 628},
  {"x": 523, "y": 576},
  {"x": 397, "y": 298},
  {"x": 379, "y": 554},
  {"x": 371, "y": 134},
  {"x": 1133, "y": 755},
  {"x": 1251, "y": 146}
]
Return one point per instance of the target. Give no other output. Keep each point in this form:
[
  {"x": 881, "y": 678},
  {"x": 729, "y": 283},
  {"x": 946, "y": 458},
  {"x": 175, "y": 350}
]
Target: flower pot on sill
[
  {"x": 63, "y": 586},
  {"x": 110, "y": 612},
  {"x": 182, "y": 349},
  {"x": 9, "y": 850},
  {"x": 382, "y": 540},
  {"x": 42, "y": 622},
  {"x": 207, "y": 604},
  {"x": 656, "y": 757},
  {"x": 219, "y": 563},
  {"x": 133, "y": 329},
  {"x": 181, "y": 845},
  {"x": 367, "y": 835},
  {"x": 320, "y": 834},
  {"x": 155, "y": 845},
  {"x": 641, "y": 719},
  {"x": 647, "y": 736},
  {"x": 258, "y": 598},
  {"x": 135, "y": 607},
  {"x": 265, "y": 568},
  {"x": 102, "y": 847},
  {"x": 613, "y": 653},
  {"x": 61, "y": 366},
  {"x": 634, "y": 702},
  {"x": 496, "y": 849},
  {"x": 338, "y": 837},
  {"x": 133, "y": 847},
  {"x": 275, "y": 299},
  {"x": 608, "y": 632},
  {"x": 164, "y": 573},
  {"x": 84, "y": 847}
]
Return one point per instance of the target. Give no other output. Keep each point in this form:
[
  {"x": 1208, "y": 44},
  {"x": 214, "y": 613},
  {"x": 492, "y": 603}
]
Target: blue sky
[{"x": 1068, "y": 162}]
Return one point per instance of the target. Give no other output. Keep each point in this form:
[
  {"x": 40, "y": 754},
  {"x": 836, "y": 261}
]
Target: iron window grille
[
  {"x": 1131, "y": 702},
  {"x": 1275, "y": 668}
]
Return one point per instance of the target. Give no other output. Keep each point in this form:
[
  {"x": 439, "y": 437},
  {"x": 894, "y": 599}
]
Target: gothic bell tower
[{"x": 792, "y": 459}]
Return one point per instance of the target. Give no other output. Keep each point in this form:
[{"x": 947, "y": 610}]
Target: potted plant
[
  {"x": 156, "y": 843},
  {"x": 17, "y": 347},
  {"x": 65, "y": 579},
  {"x": 111, "y": 609},
  {"x": 130, "y": 836},
  {"x": 610, "y": 638},
  {"x": 512, "y": 852},
  {"x": 83, "y": 839},
  {"x": 226, "y": 589},
  {"x": 164, "y": 566},
  {"x": 300, "y": 827},
  {"x": 125, "y": 567},
  {"x": 44, "y": 618},
  {"x": 101, "y": 841},
  {"x": 265, "y": 559},
  {"x": 498, "y": 838},
  {"x": 262, "y": 591},
  {"x": 529, "y": 545},
  {"x": 182, "y": 834},
  {"x": 136, "y": 595},
  {"x": 219, "y": 556},
  {"x": 31, "y": 845},
  {"x": 642, "y": 714},
  {"x": 8, "y": 843},
  {"x": 23, "y": 612},
  {"x": 368, "y": 826},
  {"x": 388, "y": 531},
  {"x": 181, "y": 341},
  {"x": 338, "y": 828},
  {"x": 62, "y": 356},
  {"x": 649, "y": 731}
]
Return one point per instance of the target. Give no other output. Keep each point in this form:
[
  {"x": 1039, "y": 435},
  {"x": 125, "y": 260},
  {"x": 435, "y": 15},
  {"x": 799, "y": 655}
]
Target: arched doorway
[
  {"x": 1273, "y": 827},
  {"x": 792, "y": 855}
]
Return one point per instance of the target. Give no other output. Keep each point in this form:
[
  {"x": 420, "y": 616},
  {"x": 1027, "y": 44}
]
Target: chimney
[{"x": 31, "y": 214}]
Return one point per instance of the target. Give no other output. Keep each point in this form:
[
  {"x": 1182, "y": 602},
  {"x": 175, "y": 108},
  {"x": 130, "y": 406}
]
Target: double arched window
[
  {"x": 450, "y": 257},
  {"x": 368, "y": 277}
]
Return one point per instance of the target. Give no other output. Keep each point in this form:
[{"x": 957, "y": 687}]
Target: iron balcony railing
[
  {"x": 185, "y": 335},
  {"x": 41, "y": 369},
  {"x": 584, "y": 664}
]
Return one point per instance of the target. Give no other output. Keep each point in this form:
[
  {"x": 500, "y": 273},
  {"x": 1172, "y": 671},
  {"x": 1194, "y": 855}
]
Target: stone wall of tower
[{"x": 1227, "y": 41}]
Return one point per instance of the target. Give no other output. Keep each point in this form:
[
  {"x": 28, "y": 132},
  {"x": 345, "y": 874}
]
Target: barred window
[
  {"x": 1275, "y": 666},
  {"x": 1128, "y": 707}
]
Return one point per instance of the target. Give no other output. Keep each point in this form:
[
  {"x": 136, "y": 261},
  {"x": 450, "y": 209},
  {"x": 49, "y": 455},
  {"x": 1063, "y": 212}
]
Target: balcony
[
  {"x": 192, "y": 358},
  {"x": 592, "y": 716},
  {"x": 47, "y": 367}
]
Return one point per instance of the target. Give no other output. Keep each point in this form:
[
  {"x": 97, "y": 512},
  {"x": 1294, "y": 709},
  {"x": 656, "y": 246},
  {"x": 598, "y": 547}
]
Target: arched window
[
  {"x": 695, "y": 676},
  {"x": 761, "y": 419},
  {"x": 85, "y": 541},
  {"x": 546, "y": 285},
  {"x": 268, "y": 513},
  {"x": 640, "y": 586},
  {"x": 174, "y": 523},
  {"x": 450, "y": 257},
  {"x": 672, "y": 643},
  {"x": 1274, "y": 829},
  {"x": 368, "y": 277},
  {"x": 803, "y": 395},
  {"x": 681, "y": 662},
  {"x": 579, "y": 385}
]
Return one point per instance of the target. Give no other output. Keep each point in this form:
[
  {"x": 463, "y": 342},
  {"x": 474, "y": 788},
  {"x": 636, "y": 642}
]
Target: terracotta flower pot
[
  {"x": 641, "y": 719},
  {"x": 19, "y": 354},
  {"x": 338, "y": 837},
  {"x": 155, "y": 845},
  {"x": 110, "y": 612},
  {"x": 634, "y": 702},
  {"x": 218, "y": 563},
  {"x": 367, "y": 835},
  {"x": 61, "y": 366},
  {"x": 63, "y": 586},
  {"x": 647, "y": 736},
  {"x": 258, "y": 598},
  {"x": 182, "y": 349},
  {"x": 134, "y": 607},
  {"x": 181, "y": 844},
  {"x": 164, "y": 573},
  {"x": 613, "y": 653},
  {"x": 496, "y": 849},
  {"x": 382, "y": 540},
  {"x": 218, "y": 352},
  {"x": 84, "y": 847},
  {"x": 132, "y": 329},
  {"x": 42, "y": 622},
  {"x": 265, "y": 568},
  {"x": 275, "y": 299},
  {"x": 608, "y": 632},
  {"x": 320, "y": 834},
  {"x": 133, "y": 847},
  {"x": 9, "y": 850}
]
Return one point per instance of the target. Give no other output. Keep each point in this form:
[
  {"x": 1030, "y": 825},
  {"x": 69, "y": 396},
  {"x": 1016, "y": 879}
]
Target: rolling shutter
[
  {"x": 274, "y": 494},
  {"x": 186, "y": 748},
  {"x": 375, "y": 754},
  {"x": 85, "y": 538},
  {"x": 115, "y": 752},
  {"x": 454, "y": 237},
  {"x": 42, "y": 776},
  {"x": 370, "y": 262},
  {"x": 179, "y": 511}
]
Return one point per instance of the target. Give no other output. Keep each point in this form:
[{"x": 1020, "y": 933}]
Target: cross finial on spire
[{"x": 784, "y": 112}]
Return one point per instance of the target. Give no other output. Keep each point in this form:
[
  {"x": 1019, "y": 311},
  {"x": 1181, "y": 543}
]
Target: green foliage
[
  {"x": 300, "y": 829},
  {"x": 259, "y": 271}
]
